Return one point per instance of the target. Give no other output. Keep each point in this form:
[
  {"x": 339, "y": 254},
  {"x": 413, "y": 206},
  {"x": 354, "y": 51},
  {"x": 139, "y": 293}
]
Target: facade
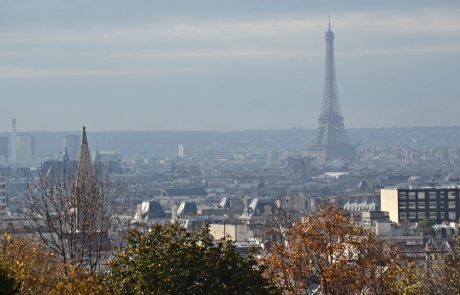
[
  {"x": 377, "y": 222},
  {"x": 149, "y": 211},
  {"x": 180, "y": 151},
  {"x": 108, "y": 156},
  {"x": 233, "y": 232},
  {"x": 72, "y": 146},
  {"x": 2, "y": 195},
  {"x": 414, "y": 204},
  {"x": 4, "y": 149},
  {"x": 331, "y": 139},
  {"x": 25, "y": 148}
]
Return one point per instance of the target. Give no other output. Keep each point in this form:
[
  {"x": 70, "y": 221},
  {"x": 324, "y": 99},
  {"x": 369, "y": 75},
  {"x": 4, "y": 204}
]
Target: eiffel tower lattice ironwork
[{"x": 331, "y": 139}]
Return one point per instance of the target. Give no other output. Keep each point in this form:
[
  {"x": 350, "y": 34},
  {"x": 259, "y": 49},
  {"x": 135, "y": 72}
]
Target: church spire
[
  {"x": 85, "y": 170},
  {"x": 84, "y": 140}
]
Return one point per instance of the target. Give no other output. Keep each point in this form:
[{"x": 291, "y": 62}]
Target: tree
[
  {"x": 71, "y": 210},
  {"x": 170, "y": 260},
  {"x": 32, "y": 269},
  {"x": 71, "y": 220},
  {"x": 452, "y": 269},
  {"x": 426, "y": 225},
  {"x": 326, "y": 252},
  {"x": 8, "y": 285},
  {"x": 442, "y": 276}
]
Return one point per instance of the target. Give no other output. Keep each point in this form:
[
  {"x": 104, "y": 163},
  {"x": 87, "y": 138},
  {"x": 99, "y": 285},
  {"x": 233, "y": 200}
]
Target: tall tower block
[
  {"x": 13, "y": 141},
  {"x": 331, "y": 139}
]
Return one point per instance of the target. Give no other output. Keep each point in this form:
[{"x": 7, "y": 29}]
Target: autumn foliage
[
  {"x": 327, "y": 253},
  {"x": 321, "y": 253},
  {"x": 38, "y": 271}
]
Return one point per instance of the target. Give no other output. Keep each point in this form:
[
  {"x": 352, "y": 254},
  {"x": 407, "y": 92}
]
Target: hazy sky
[{"x": 225, "y": 64}]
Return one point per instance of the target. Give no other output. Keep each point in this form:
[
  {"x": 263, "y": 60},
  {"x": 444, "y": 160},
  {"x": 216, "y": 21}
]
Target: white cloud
[
  {"x": 265, "y": 38},
  {"x": 36, "y": 72},
  {"x": 442, "y": 21}
]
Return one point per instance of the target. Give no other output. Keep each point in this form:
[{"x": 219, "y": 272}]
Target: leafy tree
[
  {"x": 442, "y": 276},
  {"x": 426, "y": 225},
  {"x": 170, "y": 260},
  {"x": 8, "y": 285},
  {"x": 39, "y": 271},
  {"x": 452, "y": 269},
  {"x": 326, "y": 252}
]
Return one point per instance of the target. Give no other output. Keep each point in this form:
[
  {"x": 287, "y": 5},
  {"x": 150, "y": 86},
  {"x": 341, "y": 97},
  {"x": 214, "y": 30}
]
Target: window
[
  {"x": 451, "y": 195},
  {"x": 421, "y": 215},
  {"x": 432, "y": 205},
  {"x": 442, "y": 215},
  {"x": 451, "y": 204},
  {"x": 402, "y": 205},
  {"x": 411, "y": 195},
  {"x": 421, "y": 195},
  {"x": 421, "y": 205},
  {"x": 402, "y": 195},
  {"x": 433, "y": 215},
  {"x": 412, "y": 215},
  {"x": 452, "y": 216},
  {"x": 441, "y": 204},
  {"x": 402, "y": 215},
  {"x": 411, "y": 205},
  {"x": 432, "y": 195}
]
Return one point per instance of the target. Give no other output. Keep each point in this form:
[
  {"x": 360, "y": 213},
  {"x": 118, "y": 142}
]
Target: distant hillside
[{"x": 164, "y": 143}]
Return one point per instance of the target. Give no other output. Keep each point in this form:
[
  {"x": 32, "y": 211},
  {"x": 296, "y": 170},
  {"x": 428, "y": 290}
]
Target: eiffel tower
[{"x": 331, "y": 139}]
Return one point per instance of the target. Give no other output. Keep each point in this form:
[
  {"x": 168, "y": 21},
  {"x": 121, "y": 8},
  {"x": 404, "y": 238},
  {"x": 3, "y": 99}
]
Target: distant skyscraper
[
  {"x": 13, "y": 141},
  {"x": 25, "y": 148},
  {"x": 4, "y": 149},
  {"x": 180, "y": 151},
  {"x": 331, "y": 139},
  {"x": 72, "y": 145}
]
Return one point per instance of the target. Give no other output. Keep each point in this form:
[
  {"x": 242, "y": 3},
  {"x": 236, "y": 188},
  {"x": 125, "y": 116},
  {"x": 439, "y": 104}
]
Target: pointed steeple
[
  {"x": 85, "y": 170},
  {"x": 84, "y": 140}
]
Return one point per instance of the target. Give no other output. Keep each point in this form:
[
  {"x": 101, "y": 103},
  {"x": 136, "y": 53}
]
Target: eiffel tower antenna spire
[{"x": 331, "y": 139}]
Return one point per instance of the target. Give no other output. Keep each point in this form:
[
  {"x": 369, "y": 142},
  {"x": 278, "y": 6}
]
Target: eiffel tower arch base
[{"x": 325, "y": 153}]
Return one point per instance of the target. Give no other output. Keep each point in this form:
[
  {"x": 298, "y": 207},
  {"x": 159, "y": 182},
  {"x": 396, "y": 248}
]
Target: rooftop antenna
[{"x": 329, "y": 22}]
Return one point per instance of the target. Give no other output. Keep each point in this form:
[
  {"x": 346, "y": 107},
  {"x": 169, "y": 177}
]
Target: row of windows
[
  {"x": 423, "y": 195},
  {"x": 431, "y": 205},
  {"x": 423, "y": 215}
]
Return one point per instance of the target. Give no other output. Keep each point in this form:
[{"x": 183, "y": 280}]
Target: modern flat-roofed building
[
  {"x": 25, "y": 148},
  {"x": 4, "y": 150},
  {"x": 414, "y": 204}
]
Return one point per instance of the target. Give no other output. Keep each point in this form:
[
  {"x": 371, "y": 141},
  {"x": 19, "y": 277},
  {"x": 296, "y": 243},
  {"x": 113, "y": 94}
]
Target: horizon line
[{"x": 227, "y": 131}]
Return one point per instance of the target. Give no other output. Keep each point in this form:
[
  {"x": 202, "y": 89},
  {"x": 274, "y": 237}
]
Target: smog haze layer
[{"x": 225, "y": 65}]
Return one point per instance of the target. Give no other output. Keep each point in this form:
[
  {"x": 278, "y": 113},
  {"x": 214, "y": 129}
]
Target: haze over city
[
  {"x": 211, "y": 147},
  {"x": 225, "y": 65}
]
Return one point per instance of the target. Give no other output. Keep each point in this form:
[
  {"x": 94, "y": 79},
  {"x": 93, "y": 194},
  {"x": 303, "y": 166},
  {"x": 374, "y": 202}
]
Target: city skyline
[{"x": 225, "y": 67}]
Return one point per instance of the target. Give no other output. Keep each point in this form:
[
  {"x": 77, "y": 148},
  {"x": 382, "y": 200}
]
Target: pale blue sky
[{"x": 225, "y": 65}]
